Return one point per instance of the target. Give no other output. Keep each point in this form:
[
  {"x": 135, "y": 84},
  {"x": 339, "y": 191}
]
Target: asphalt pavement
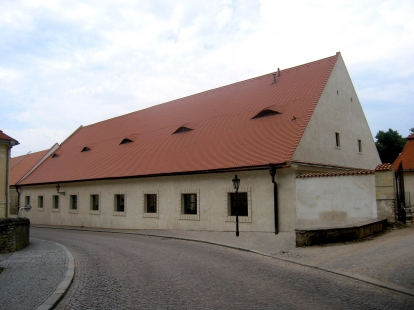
[{"x": 38, "y": 276}]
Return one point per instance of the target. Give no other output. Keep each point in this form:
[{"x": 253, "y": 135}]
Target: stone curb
[
  {"x": 361, "y": 278},
  {"x": 64, "y": 285}
]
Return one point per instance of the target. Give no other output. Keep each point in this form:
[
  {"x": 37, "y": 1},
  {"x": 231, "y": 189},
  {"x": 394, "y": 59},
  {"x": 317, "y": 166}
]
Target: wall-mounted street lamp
[
  {"x": 58, "y": 188},
  {"x": 26, "y": 207},
  {"x": 236, "y": 184}
]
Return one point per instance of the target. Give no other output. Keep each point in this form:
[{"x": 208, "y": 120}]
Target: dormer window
[
  {"x": 265, "y": 113},
  {"x": 182, "y": 129},
  {"x": 85, "y": 149},
  {"x": 55, "y": 155},
  {"x": 125, "y": 141}
]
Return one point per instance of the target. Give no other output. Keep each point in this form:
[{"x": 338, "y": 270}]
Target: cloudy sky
[{"x": 66, "y": 63}]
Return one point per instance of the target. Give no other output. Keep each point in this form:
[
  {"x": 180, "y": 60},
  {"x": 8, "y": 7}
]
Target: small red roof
[
  {"x": 5, "y": 137},
  {"x": 215, "y": 130},
  {"x": 335, "y": 174},
  {"x": 406, "y": 156},
  {"x": 383, "y": 167},
  {"x": 20, "y": 165}
]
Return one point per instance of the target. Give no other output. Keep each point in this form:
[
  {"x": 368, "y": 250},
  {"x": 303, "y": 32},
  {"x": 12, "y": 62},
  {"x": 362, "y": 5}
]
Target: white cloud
[{"x": 66, "y": 63}]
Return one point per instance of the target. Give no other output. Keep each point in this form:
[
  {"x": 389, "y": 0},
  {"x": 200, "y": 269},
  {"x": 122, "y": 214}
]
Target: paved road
[{"x": 118, "y": 271}]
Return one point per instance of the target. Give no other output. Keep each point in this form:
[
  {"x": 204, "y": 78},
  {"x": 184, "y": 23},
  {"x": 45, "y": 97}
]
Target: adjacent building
[
  {"x": 406, "y": 158},
  {"x": 6, "y": 143},
  {"x": 171, "y": 166},
  {"x": 20, "y": 167}
]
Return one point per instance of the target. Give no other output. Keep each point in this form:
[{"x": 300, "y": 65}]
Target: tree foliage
[{"x": 389, "y": 144}]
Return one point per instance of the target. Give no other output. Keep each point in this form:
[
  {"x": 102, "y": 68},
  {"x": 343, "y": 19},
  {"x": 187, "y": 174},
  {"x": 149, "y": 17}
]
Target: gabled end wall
[{"x": 338, "y": 111}]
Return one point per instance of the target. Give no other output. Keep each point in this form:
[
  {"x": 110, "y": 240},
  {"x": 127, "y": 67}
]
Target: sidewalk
[
  {"x": 35, "y": 277},
  {"x": 385, "y": 260}
]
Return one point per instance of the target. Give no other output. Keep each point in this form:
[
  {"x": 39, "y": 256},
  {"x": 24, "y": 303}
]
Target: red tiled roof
[
  {"x": 406, "y": 156},
  {"x": 224, "y": 135},
  {"x": 20, "y": 165},
  {"x": 335, "y": 174},
  {"x": 383, "y": 167},
  {"x": 5, "y": 137}
]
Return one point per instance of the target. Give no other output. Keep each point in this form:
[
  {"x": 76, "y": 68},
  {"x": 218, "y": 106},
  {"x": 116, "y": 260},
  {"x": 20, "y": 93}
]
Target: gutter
[{"x": 198, "y": 172}]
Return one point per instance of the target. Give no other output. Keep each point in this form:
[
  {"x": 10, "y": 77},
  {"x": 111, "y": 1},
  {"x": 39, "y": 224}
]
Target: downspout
[
  {"x": 272, "y": 171},
  {"x": 18, "y": 198}
]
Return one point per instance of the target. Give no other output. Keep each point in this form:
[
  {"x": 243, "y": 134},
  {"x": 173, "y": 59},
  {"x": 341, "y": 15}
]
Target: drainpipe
[
  {"x": 18, "y": 199},
  {"x": 272, "y": 171}
]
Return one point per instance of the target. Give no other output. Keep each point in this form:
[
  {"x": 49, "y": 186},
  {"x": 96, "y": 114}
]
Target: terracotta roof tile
[
  {"x": 384, "y": 167},
  {"x": 20, "y": 165},
  {"x": 5, "y": 137},
  {"x": 406, "y": 156},
  {"x": 335, "y": 174},
  {"x": 224, "y": 134}
]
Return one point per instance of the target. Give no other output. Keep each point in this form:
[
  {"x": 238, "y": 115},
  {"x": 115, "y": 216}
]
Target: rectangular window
[
  {"x": 95, "y": 202},
  {"x": 119, "y": 203},
  {"x": 338, "y": 141},
  {"x": 150, "y": 203},
  {"x": 189, "y": 203},
  {"x": 73, "y": 202},
  {"x": 40, "y": 202},
  {"x": 27, "y": 200},
  {"x": 55, "y": 203},
  {"x": 359, "y": 146},
  {"x": 238, "y": 203}
]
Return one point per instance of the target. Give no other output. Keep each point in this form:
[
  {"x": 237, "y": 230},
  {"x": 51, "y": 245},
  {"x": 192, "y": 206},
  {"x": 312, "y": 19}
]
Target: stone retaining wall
[
  {"x": 314, "y": 236},
  {"x": 14, "y": 234}
]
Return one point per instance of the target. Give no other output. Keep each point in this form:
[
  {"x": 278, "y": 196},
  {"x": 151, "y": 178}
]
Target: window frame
[
  {"x": 40, "y": 206},
  {"x": 145, "y": 204},
  {"x": 190, "y": 216},
  {"x": 91, "y": 203},
  {"x": 71, "y": 195},
  {"x": 337, "y": 140},
  {"x": 55, "y": 203},
  {"x": 227, "y": 206},
  {"x": 359, "y": 146},
  {"x": 27, "y": 200},
  {"x": 231, "y": 197},
  {"x": 115, "y": 211},
  {"x": 189, "y": 203}
]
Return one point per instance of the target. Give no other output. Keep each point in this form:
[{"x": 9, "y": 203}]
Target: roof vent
[
  {"x": 125, "y": 141},
  {"x": 85, "y": 149},
  {"x": 55, "y": 155},
  {"x": 182, "y": 129},
  {"x": 265, "y": 113},
  {"x": 276, "y": 74}
]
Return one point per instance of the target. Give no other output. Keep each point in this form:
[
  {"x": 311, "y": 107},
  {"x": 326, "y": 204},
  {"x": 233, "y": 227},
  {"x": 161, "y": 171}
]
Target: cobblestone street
[{"x": 120, "y": 271}]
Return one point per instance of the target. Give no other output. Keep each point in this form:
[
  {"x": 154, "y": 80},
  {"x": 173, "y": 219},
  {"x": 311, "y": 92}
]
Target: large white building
[{"x": 171, "y": 166}]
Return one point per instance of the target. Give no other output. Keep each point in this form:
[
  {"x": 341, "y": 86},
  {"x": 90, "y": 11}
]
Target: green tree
[{"x": 389, "y": 144}]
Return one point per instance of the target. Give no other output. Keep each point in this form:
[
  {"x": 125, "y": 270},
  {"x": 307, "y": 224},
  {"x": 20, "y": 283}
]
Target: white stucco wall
[
  {"x": 212, "y": 190},
  {"x": 3, "y": 181},
  {"x": 338, "y": 110},
  {"x": 335, "y": 201}
]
